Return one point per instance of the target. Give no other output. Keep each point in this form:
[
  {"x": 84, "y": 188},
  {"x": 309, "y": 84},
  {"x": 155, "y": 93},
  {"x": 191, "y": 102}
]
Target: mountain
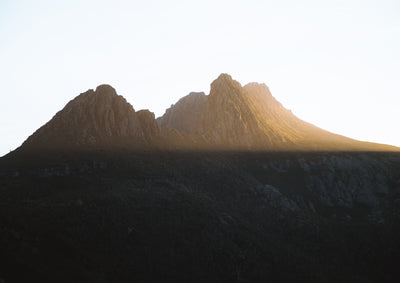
[
  {"x": 250, "y": 118},
  {"x": 96, "y": 119},
  {"x": 225, "y": 187},
  {"x": 231, "y": 117}
]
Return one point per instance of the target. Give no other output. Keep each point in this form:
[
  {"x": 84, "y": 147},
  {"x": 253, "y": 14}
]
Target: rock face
[
  {"x": 233, "y": 117},
  {"x": 227, "y": 120},
  {"x": 185, "y": 115},
  {"x": 99, "y": 118}
]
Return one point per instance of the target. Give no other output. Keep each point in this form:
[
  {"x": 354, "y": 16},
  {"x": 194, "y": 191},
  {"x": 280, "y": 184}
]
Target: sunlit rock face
[
  {"x": 248, "y": 117},
  {"x": 236, "y": 117},
  {"x": 227, "y": 120},
  {"x": 96, "y": 118}
]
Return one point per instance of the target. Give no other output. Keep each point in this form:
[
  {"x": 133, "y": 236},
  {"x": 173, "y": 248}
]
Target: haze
[{"x": 335, "y": 64}]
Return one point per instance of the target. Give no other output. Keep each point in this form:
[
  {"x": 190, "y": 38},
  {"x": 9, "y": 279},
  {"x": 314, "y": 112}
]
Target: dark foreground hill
[{"x": 201, "y": 217}]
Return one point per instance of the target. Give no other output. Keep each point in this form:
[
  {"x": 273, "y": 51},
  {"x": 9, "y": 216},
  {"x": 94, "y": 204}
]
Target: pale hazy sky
[{"x": 335, "y": 64}]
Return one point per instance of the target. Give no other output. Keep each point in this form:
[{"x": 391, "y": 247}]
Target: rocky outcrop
[{"x": 99, "y": 118}]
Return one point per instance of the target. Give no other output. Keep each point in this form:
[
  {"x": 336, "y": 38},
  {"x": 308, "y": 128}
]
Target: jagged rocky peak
[
  {"x": 227, "y": 120},
  {"x": 230, "y": 117},
  {"x": 225, "y": 78},
  {"x": 185, "y": 115},
  {"x": 96, "y": 118},
  {"x": 105, "y": 89},
  {"x": 230, "y": 89},
  {"x": 225, "y": 85}
]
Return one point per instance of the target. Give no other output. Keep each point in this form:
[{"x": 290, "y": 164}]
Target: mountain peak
[
  {"x": 105, "y": 89},
  {"x": 100, "y": 119},
  {"x": 225, "y": 76},
  {"x": 225, "y": 82}
]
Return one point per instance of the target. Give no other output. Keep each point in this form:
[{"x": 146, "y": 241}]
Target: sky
[{"x": 335, "y": 64}]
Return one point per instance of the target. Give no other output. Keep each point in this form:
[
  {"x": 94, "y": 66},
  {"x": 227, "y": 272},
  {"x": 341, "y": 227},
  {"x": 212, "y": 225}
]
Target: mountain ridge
[
  {"x": 230, "y": 117},
  {"x": 96, "y": 118}
]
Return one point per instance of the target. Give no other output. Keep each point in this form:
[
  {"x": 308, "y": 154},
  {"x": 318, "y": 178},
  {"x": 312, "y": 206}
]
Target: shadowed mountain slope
[{"x": 99, "y": 118}]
